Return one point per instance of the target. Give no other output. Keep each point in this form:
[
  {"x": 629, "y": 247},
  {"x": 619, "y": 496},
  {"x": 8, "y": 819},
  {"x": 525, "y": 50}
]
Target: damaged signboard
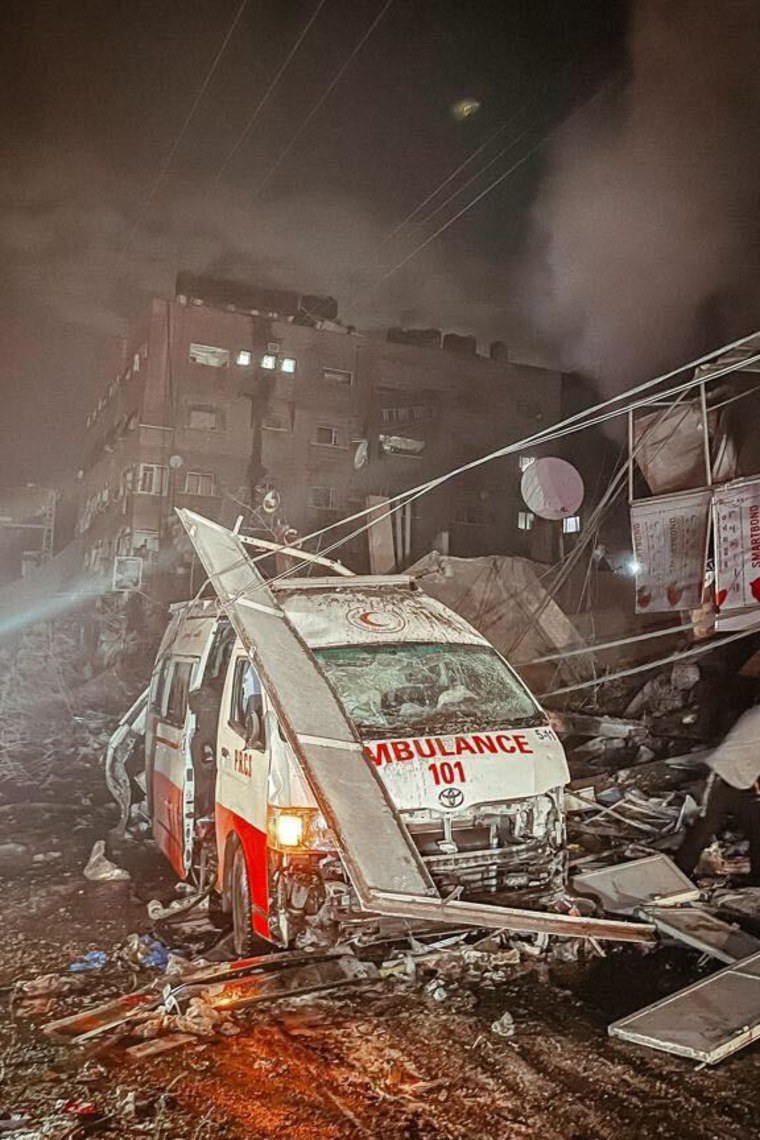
[
  {"x": 736, "y": 516},
  {"x": 669, "y": 547}
]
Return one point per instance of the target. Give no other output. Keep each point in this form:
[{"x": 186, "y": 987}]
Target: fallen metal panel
[
  {"x": 627, "y": 886},
  {"x": 707, "y": 1021},
  {"x": 378, "y": 852},
  {"x": 460, "y": 913},
  {"x": 703, "y": 931}
]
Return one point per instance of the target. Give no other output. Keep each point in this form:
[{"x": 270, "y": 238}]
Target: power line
[
  {"x": 449, "y": 178},
  {"x": 652, "y": 664},
  {"x": 270, "y": 89},
  {"x": 491, "y": 186},
  {"x": 322, "y": 99},
  {"x": 183, "y": 129}
]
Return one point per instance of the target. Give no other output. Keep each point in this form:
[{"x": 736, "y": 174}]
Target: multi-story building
[{"x": 238, "y": 401}]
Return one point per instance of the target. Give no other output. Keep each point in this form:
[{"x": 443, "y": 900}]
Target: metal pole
[{"x": 705, "y": 434}]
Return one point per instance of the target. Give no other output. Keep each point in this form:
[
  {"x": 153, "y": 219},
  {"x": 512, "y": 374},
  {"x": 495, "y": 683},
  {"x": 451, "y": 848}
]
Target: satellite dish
[
  {"x": 552, "y": 488},
  {"x": 176, "y": 461},
  {"x": 270, "y": 502},
  {"x": 361, "y": 454}
]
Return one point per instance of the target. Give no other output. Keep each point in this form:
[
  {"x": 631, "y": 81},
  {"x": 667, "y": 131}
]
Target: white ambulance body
[{"x": 466, "y": 756}]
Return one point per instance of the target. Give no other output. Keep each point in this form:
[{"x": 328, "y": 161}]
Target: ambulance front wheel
[{"x": 245, "y": 942}]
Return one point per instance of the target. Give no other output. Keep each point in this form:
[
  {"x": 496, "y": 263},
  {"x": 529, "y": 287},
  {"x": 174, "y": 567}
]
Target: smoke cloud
[{"x": 644, "y": 248}]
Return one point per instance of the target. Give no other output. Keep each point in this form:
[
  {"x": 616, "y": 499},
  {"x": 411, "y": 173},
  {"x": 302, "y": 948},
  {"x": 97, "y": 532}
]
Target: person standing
[{"x": 733, "y": 792}]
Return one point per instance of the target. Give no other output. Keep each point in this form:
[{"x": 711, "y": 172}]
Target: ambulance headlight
[
  {"x": 288, "y": 828},
  {"x": 295, "y": 829}
]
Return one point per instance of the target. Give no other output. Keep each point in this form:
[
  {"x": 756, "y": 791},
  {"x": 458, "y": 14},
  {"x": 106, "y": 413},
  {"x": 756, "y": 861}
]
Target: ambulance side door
[
  {"x": 242, "y": 770},
  {"x": 171, "y": 752}
]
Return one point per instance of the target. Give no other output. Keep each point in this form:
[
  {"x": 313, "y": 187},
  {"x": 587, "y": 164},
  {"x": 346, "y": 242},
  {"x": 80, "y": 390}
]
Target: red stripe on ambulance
[{"x": 430, "y": 747}]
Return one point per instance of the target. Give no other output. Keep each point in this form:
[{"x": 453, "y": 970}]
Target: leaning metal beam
[{"x": 384, "y": 866}]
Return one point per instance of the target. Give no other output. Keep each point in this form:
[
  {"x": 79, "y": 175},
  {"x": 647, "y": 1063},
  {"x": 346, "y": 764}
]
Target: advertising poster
[
  {"x": 736, "y": 516},
  {"x": 669, "y": 546}
]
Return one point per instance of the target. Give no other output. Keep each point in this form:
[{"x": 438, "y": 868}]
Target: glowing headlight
[
  {"x": 288, "y": 828},
  {"x": 299, "y": 829}
]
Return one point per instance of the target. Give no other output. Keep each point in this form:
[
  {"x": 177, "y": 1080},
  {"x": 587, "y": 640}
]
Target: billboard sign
[{"x": 669, "y": 547}]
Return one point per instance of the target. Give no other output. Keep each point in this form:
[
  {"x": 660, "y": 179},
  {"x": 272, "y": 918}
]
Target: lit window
[
  {"x": 571, "y": 525},
  {"x": 328, "y": 436},
  {"x": 338, "y": 376},
  {"x": 209, "y": 356},
  {"x": 152, "y": 480},
  {"x": 269, "y": 361},
  {"x": 199, "y": 483},
  {"x": 323, "y": 498},
  {"x": 203, "y": 417},
  {"x": 288, "y": 364},
  {"x": 526, "y": 460},
  {"x": 244, "y": 357},
  {"x": 525, "y": 520}
]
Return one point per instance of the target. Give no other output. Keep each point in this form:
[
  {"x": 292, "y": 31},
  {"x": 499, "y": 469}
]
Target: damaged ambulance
[{"x": 464, "y": 753}]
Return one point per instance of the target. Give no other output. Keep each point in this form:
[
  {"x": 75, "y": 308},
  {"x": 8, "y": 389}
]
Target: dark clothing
[{"x": 724, "y": 802}]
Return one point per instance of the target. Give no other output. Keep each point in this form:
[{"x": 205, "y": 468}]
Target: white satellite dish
[
  {"x": 361, "y": 454},
  {"x": 552, "y": 488},
  {"x": 175, "y": 461},
  {"x": 270, "y": 502}
]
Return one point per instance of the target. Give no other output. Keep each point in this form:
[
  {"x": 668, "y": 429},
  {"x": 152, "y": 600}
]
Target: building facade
[{"x": 247, "y": 404}]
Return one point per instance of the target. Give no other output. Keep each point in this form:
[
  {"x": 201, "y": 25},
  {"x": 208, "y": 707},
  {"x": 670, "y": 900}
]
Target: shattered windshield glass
[{"x": 415, "y": 690}]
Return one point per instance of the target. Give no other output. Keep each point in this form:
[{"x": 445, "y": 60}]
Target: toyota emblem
[{"x": 451, "y": 797}]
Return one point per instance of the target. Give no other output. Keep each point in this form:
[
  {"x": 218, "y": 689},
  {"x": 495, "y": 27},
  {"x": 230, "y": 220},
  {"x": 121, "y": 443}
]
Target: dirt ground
[{"x": 389, "y": 1062}]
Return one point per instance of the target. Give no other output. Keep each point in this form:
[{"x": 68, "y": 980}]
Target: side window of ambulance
[
  {"x": 246, "y": 695},
  {"x": 176, "y": 706},
  {"x": 159, "y": 689}
]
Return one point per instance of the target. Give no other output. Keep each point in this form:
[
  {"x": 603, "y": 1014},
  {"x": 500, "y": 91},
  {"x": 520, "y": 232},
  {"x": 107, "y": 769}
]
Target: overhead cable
[
  {"x": 183, "y": 129},
  {"x": 491, "y": 186},
  {"x": 269, "y": 91},
  {"x": 322, "y": 99},
  {"x": 671, "y": 660}
]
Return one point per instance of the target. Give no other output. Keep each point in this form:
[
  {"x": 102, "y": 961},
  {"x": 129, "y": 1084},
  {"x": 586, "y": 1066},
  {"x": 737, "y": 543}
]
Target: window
[
  {"x": 269, "y": 361},
  {"x": 571, "y": 525},
  {"x": 467, "y": 512},
  {"x": 525, "y": 520},
  {"x": 327, "y": 436},
  {"x": 244, "y": 358},
  {"x": 159, "y": 687},
  {"x": 199, "y": 483},
  {"x": 288, "y": 364},
  {"x": 152, "y": 480},
  {"x": 246, "y": 695},
  {"x": 399, "y": 690},
  {"x": 209, "y": 356},
  {"x": 338, "y": 376},
  {"x": 203, "y": 417},
  {"x": 273, "y": 421},
  {"x": 525, "y": 461},
  {"x": 144, "y": 542},
  {"x": 323, "y": 498},
  {"x": 176, "y": 705}
]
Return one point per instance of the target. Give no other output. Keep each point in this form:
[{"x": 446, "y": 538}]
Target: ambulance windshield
[{"x": 419, "y": 689}]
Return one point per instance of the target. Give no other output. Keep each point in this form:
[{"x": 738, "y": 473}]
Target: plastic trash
[
  {"x": 102, "y": 870},
  {"x": 504, "y": 1026},
  {"x": 92, "y": 960}
]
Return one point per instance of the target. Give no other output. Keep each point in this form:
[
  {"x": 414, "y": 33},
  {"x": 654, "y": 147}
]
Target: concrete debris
[
  {"x": 504, "y": 1026},
  {"x": 99, "y": 869}
]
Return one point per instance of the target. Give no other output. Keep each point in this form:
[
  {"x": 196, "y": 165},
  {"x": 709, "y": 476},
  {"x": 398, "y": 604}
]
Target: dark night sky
[{"x": 95, "y": 91}]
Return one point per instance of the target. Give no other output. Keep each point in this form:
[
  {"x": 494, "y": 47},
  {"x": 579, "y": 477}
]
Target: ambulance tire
[{"x": 245, "y": 943}]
